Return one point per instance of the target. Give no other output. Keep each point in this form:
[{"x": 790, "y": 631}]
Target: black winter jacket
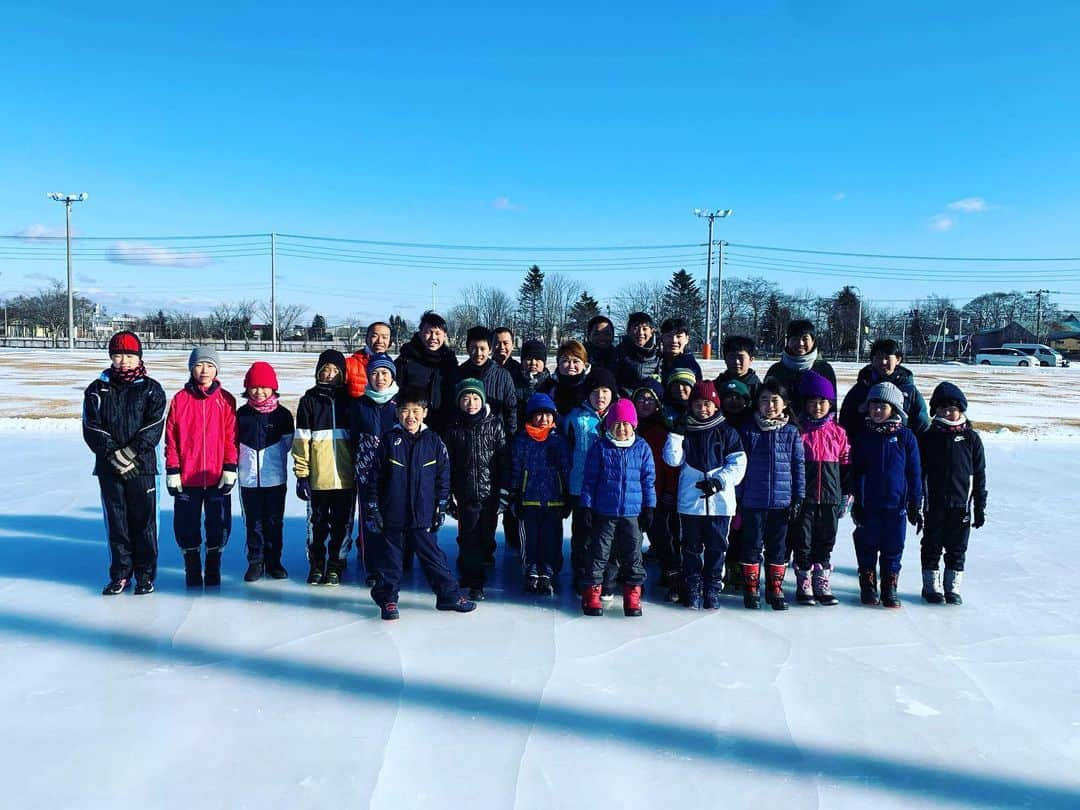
[
  {"x": 479, "y": 459},
  {"x": 851, "y": 418},
  {"x": 527, "y": 386},
  {"x": 119, "y": 415},
  {"x": 632, "y": 364},
  {"x": 498, "y": 387},
  {"x": 431, "y": 373},
  {"x": 568, "y": 392},
  {"x": 750, "y": 380},
  {"x": 953, "y": 467},
  {"x": 413, "y": 477}
]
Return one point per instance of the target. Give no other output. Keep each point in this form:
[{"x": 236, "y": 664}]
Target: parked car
[
  {"x": 1040, "y": 351},
  {"x": 1005, "y": 357}
]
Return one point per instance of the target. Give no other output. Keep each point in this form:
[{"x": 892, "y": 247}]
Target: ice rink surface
[{"x": 278, "y": 694}]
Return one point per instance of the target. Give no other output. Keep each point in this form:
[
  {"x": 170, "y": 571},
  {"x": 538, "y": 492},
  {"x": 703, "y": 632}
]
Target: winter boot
[
  {"x": 889, "y": 598},
  {"x": 332, "y": 576},
  {"x": 212, "y": 572},
  {"x": 712, "y": 594},
  {"x": 804, "y": 590},
  {"x": 315, "y": 574},
  {"x": 672, "y": 593},
  {"x": 953, "y": 580},
  {"x": 532, "y": 582},
  {"x": 457, "y": 605},
  {"x": 544, "y": 587},
  {"x": 192, "y": 568},
  {"x": 631, "y": 600},
  {"x": 115, "y": 586},
  {"x": 751, "y": 576},
  {"x": 733, "y": 582},
  {"x": 275, "y": 569},
  {"x": 254, "y": 572},
  {"x": 931, "y": 587},
  {"x": 692, "y": 597},
  {"x": 868, "y": 594},
  {"x": 477, "y": 594},
  {"x": 774, "y": 593},
  {"x": 389, "y": 612},
  {"x": 144, "y": 586},
  {"x": 590, "y": 601},
  {"x": 819, "y": 579}
]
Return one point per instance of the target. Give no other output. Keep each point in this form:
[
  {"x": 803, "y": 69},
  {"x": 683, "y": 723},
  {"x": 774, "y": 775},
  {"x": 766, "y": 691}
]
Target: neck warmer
[
  {"x": 267, "y": 405},
  {"x": 693, "y": 425},
  {"x": 117, "y": 377},
  {"x": 770, "y": 424},
  {"x": 941, "y": 423},
  {"x": 198, "y": 390},
  {"x": 813, "y": 424},
  {"x": 890, "y": 425},
  {"x": 539, "y": 434},
  {"x": 471, "y": 419},
  {"x": 802, "y": 363},
  {"x": 381, "y": 397},
  {"x": 624, "y": 443}
]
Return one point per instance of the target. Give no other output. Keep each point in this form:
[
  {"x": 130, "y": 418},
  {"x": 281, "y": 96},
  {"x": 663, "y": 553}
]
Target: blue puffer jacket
[
  {"x": 775, "y": 467},
  {"x": 541, "y": 470},
  {"x": 413, "y": 476},
  {"x": 619, "y": 481},
  {"x": 582, "y": 429},
  {"x": 886, "y": 468},
  {"x": 368, "y": 421}
]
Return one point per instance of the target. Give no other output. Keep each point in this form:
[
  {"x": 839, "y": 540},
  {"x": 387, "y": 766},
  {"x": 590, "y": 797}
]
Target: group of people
[{"x": 731, "y": 479}]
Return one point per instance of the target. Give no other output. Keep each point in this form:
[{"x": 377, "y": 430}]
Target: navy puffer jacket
[
  {"x": 413, "y": 477},
  {"x": 775, "y": 467},
  {"x": 887, "y": 469},
  {"x": 619, "y": 481},
  {"x": 541, "y": 470},
  {"x": 368, "y": 421}
]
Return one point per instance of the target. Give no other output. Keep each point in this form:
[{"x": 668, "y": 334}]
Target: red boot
[
  {"x": 775, "y": 588},
  {"x": 590, "y": 601},
  {"x": 751, "y": 575},
  {"x": 631, "y": 600}
]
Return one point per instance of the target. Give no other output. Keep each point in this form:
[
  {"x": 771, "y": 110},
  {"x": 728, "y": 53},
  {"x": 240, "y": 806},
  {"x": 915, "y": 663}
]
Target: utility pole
[
  {"x": 434, "y": 286},
  {"x": 706, "y": 350},
  {"x": 67, "y": 200},
  {"x": 720, "y": 296},
  {"x": 274, "y": 345},
  {"x": 1038, "y": 310}
]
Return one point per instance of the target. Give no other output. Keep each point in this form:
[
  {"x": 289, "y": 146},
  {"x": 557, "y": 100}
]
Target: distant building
[{"x": 1012, "y": 332}]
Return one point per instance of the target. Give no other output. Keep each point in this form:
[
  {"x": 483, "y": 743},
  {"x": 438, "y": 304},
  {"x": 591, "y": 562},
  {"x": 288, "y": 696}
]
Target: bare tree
[
  {"x": 560, "y": 294},
  {"x": 288, "y": 316},
  {"x": 641, "y": 296}
]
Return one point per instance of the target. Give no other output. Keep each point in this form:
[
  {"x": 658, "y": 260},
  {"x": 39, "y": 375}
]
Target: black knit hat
[
  {"x": 334, "y": 357},
  {"x": 600, "y": 377},
  {"x": 534, "y": 350},
  {"x": 947, "y": 393}
]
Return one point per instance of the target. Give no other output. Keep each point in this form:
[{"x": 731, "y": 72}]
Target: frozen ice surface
[{"x": 278, "y": 694}]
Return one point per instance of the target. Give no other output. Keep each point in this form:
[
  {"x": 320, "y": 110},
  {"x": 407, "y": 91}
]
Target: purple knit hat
[
  {"x": 813, "y": 384},
  {"x": 621, "y": 411}
]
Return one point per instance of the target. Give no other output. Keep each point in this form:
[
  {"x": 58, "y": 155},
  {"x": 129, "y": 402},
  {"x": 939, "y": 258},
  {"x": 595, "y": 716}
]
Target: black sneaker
[
  {"x": 544, "y": 587},
  {"x": 315, "y": 575},
  {"x": 477, "y": 594},
  {"x": 459, "y": 605},
  {"x": 144, "y": 586},
  {"x": 531, "y": 583},
  {"x": 115, "y": 586},
  {"x": 254, "y": 572},
  {"x": 332, "y": 577},
  {"x": 389, "y": 612},
  {"x": 277, "y": 571}
]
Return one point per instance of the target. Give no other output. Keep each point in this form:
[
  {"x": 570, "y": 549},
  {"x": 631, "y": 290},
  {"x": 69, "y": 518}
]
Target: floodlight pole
[{"x": 67, "y": 200}]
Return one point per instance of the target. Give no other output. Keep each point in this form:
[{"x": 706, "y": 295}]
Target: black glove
[
  {"x": 914, "y": 517},
  {"x": 451, "y": 508},
  {"x": 678, "y": 427},
  {"x": 709, "y": 486},
  {"x": 303, "y": 489},
  {"x": 373, "y": 519},
  {"x": 979, "y": 519},
  {"x": 645, "y": 519},
  {"x": 227, "y": 481},
  {"x": 440, "y": 517},
  {"x": 795, "y": 509},
  {"x": 123, "y": 462},
  {"x": 506, "y": 501},
  {"x": 858, "y": 514},
  {"x": 586, "y": 519}
]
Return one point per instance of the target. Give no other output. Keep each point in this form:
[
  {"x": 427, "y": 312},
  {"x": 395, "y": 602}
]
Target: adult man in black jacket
[
  {"x": 427, "y": 364},
  {"x": 498, "y": 384}
]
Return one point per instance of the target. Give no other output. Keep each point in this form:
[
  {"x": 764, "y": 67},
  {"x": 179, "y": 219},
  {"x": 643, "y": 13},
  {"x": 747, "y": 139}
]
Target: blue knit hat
[
  {"x": 378, "y": 361},
  {"x": 652, "y": 386},
  {"x": 947, "y": 393},
  {"x": 540, "y": 402}
]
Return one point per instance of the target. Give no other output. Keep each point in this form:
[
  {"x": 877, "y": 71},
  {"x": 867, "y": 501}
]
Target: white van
[{"x": 1043, "y": 353}]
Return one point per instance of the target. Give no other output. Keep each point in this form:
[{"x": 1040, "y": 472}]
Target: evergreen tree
[
  {"x": 318, "y": 328},
  {"x": 584, "y": 310},
  {"x": 400, "y": 331},
  {"x": 684, "y": 299},
  {"x": 531, "y": 302},
  {"x": 844, "y": 319},
  {"x": 774, "y": 324}
]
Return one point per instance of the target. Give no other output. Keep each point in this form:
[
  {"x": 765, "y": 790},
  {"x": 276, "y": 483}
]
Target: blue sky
[{"x": 943, "y": 129}]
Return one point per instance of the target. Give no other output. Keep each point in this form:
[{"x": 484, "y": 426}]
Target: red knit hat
[
  {"x": 260, "y": 375},
  {"x": 706, "y": 389},
  {"x": 125, "y": 343}
]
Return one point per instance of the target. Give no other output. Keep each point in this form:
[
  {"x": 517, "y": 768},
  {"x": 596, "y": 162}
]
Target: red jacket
[
  {"x": 828, "y": 455},
  {"x": 200, "y": 435},
  {"x": 655, "y": 433},
  {"x": 356, "y": 373}
]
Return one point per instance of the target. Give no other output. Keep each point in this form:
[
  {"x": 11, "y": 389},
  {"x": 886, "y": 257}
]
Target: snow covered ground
[{"x": 281, "y": 695}]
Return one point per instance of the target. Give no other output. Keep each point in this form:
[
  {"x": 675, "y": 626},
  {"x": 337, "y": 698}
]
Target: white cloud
[
  {"x": 141, "y": 253},
  {"x": 39, "y": 231},
  {"x": 969, "y": 205},
  {"x": 839, "y": 196},
  {"x": 504, "y": 204},
  {"x": 41, "y": 277},
  {"x": 942, "y": 222}
]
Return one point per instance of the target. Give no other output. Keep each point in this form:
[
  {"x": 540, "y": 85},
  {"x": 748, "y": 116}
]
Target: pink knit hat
[{"x": 621, "y": 411}]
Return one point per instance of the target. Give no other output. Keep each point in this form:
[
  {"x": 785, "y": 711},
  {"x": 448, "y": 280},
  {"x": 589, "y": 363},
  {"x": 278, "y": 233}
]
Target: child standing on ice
[
  {"x": 812, "y": 533},
  {"x": 711, "y": 462},
  {"x": 954, "y": 472},
  {"x": 265, "y": 428},
  {"x": 122, "y": 419},
  {"x": 618, "y": 497},
  {"x": 200, "y": 465},
  {"x": 887, "y": 479}
]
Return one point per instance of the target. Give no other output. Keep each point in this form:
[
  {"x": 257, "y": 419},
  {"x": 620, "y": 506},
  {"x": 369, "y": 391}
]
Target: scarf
[
  {"x": 693, "y": 425},
  {"x": 948, "y": 426},
  {"x": 381, "y": 397},
  {"x": 539, "y": 434},
  {"x": 808, "y": 424},
  {"x": 624, "y": 443},
  {"x": 117, "y": 377},
  {"x": 470, "y": 419},
  {"x": 266, "y": 406},
  {"x": 890, "y": 425},
  {"x": 771, "y": 424},
  {"x": 802, "y": 363}
]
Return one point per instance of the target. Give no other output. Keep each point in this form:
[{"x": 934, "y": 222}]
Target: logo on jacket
[
  {"x": 397, "y": 441},
  {"x": 958, "y": 438}
]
